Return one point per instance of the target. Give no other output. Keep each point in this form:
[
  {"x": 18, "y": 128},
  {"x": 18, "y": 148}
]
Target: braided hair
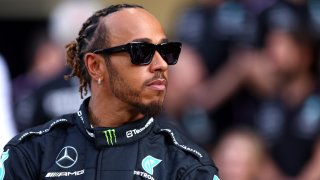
[{"x": 92, "y": 36}]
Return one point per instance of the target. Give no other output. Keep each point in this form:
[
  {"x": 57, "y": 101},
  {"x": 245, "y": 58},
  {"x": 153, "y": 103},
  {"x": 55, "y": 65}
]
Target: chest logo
[
  {"x": 67, "y": 157},
  {"x": 149, "y": 162},
  {"x": 111, "y": 136},
  {"x": 4, "y": 156}
]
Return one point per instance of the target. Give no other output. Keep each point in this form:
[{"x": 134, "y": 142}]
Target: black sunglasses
[{"x": 141, "y": 53}]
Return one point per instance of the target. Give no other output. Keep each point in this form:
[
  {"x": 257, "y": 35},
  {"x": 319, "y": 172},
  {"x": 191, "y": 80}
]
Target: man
[{"x": 113, "y": 135}]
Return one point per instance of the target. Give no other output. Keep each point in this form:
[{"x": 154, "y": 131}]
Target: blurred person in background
[
  {"x": 7, "y": 128},
  {"x": 57, "y": 96},
  {"x": 45, "y": 62},
  {"x": 239, "y": 155},
  {"x": 289, "y": 119},
  {"x": 279, "y": 99},
  {"x": 284, "y": 94},
  {"x": 285, "y": 14},
  {"x": 212, "y": 29},
  {"x": 273, "y": 90}
]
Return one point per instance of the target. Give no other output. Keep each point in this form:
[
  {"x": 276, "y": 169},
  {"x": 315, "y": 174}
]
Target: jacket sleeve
[
  {"x": 202, "y": 173},
  {"x": 15, "y": 165}
]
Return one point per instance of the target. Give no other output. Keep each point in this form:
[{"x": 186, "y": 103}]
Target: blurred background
[{"x": 246, "y": 87}]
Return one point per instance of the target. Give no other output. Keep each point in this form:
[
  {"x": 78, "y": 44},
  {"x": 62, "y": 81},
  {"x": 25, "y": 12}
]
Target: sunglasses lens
[
  {"x": 141, "y": 53},
  {"x": 170, "y": 52}
]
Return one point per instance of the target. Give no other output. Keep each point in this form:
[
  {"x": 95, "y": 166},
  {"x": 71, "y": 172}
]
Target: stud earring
[{"x": 99, "y": 81}]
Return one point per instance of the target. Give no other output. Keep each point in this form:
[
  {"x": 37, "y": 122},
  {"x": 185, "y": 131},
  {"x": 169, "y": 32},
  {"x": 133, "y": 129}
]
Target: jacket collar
[{"x": 115, "y": 136}]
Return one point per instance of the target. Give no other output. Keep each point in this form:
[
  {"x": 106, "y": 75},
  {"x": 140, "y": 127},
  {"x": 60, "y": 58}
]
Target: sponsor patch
[
  {"x": 67, "y": 157},
  {"x": 64, "y": 174},
  {"x": 143, "y": 174},
  {"x": 134, "y": 132},
  {"x": 148, "y": 163},
  {"x": 111, "y": 136}
]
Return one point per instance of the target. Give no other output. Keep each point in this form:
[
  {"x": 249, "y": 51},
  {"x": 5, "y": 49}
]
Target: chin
[
  {"x": 151, "y": 109},
  {"x": 153, "y": 97},
  {"x": 154, "y": 100}
]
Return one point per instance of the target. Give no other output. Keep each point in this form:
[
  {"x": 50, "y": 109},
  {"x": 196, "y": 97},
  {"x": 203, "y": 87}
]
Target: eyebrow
[{"x": 149, "y": 40}]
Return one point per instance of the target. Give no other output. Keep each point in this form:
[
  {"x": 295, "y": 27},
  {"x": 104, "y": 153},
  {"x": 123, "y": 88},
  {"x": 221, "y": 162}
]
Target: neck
[{"x": 111, "y": 112}]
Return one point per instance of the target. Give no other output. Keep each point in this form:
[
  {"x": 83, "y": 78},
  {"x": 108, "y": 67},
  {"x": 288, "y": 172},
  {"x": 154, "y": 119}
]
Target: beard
[{"x": 131, "y": 96}]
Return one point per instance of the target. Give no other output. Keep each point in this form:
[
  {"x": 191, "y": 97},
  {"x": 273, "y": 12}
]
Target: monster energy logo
[{"x": 110, "y": 136}]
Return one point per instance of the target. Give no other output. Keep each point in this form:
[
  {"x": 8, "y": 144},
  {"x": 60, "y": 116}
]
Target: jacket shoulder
[
  {"x": 180, "y": 141},
  {"x": 42, "y": 130},
  {"x": 194, "y": 162}
]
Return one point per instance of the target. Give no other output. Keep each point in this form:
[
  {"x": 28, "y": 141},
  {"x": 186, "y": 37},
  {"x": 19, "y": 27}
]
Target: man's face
[
  {"x": 141, "y": 86},
  {"x": 284, "y": 52}
]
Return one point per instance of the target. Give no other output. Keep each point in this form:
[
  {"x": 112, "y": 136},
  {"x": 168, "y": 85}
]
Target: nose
[{"x": 158, "y": 63}]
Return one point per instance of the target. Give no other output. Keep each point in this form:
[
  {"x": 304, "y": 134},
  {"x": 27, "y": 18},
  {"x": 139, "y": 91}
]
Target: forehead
[{"x": 129, "y": 24}]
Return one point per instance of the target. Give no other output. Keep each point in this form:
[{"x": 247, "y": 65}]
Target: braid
[
  {"x": 78, "y": 69},
  {"x": 91, "y": 36}
]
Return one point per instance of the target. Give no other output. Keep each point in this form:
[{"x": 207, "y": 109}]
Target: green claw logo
[
  {"x": 111, "y": 137},
  {"x": 4, "y": 157}
]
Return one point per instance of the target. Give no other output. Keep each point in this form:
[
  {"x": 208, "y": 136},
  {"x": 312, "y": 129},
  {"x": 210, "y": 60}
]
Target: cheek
[
  {"x": 129, "y": 73},
  {"x": 134, "y": 78}
]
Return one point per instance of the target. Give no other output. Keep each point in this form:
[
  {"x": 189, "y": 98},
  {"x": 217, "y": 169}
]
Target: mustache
[{"x": 158, "y": 75}]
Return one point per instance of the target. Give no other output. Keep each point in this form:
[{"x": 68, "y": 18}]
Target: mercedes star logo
[{"x": 67, "y": 157}]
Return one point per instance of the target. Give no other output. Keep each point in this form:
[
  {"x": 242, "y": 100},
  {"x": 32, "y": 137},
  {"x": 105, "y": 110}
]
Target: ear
[{"x": 95, "y": 65}]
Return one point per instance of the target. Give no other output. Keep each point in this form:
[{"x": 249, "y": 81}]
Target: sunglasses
[{"x": 141, "y": 53}]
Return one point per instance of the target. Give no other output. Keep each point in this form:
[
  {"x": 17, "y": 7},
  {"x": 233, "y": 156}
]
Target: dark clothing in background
[
  {"x": 53, "y": 99},
  {"x": 285, "y": 16},
  {"x": 213, "y": 31}
]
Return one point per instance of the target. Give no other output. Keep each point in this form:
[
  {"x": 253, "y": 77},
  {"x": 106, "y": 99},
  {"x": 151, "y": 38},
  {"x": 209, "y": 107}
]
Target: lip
[{"x": 159, "y": 84}]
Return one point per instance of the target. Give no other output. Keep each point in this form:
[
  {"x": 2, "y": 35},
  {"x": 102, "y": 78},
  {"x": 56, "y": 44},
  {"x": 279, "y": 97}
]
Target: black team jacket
[{"x": 69, "y": 148}]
